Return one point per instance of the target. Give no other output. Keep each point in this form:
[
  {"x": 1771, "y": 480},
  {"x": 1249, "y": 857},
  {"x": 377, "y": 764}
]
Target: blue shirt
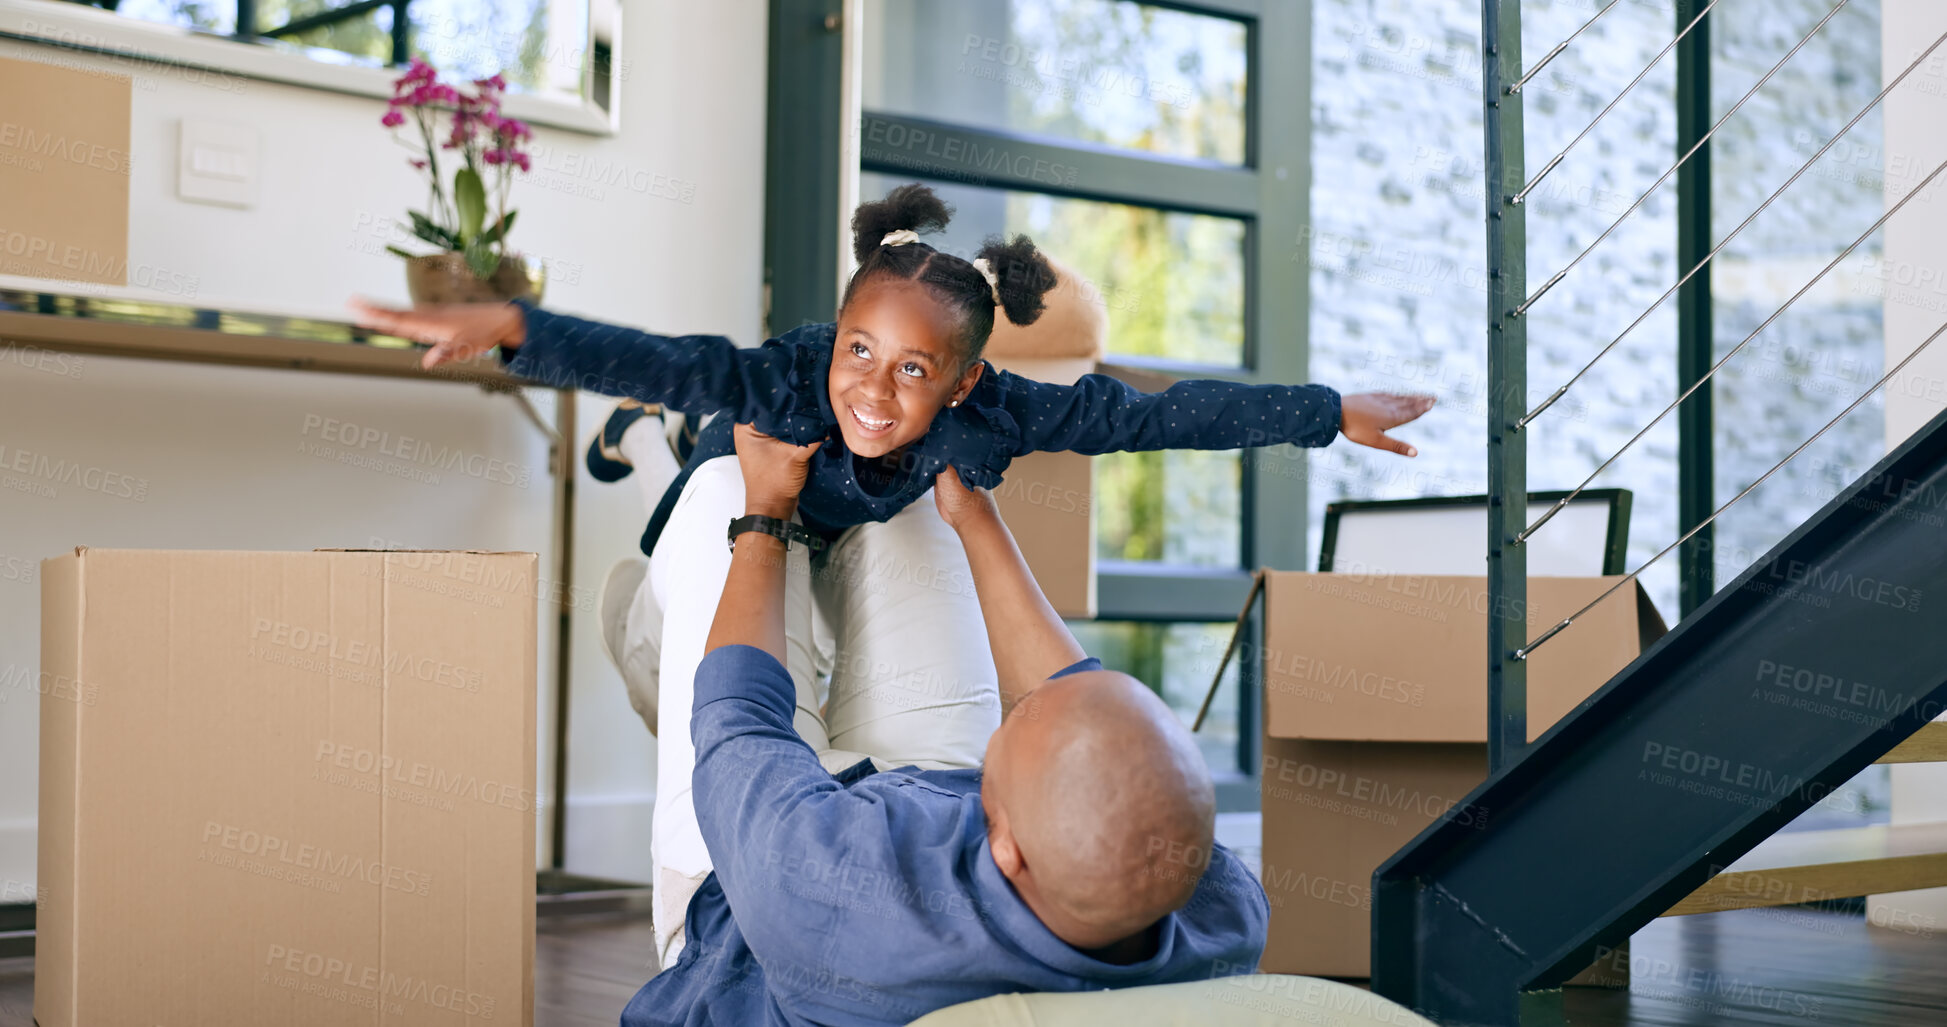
[
  {"x": 781, "y": 387},
  {"x": 872, "y": 898}
]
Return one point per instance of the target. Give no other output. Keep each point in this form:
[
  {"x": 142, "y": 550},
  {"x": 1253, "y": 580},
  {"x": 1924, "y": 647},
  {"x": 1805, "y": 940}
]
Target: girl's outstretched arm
[
  {"x": 696, "y": 374},
  {"x": 1100, "y": 414}
]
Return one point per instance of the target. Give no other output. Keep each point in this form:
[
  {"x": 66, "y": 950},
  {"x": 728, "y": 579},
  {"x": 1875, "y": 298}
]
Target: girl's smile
[{"x": 895, "y": 363}]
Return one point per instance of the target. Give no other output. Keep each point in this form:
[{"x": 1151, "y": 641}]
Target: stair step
[
  {"x": 1810, "y": 866},
  {"x": 1927, "y": 745}
]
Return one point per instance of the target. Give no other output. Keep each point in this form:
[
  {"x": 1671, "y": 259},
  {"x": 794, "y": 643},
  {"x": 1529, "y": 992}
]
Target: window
[
  {"x": 1173, "y": 282},
  {"x": 1129, "y": 140},
  {"x": 1128, "y": 75},
  {"x": 541, "y": 48},
  {"x": 1830, "y": 347},
  {"x": 1174, "y": 287},
  {"x": 1396, "y": 254}
]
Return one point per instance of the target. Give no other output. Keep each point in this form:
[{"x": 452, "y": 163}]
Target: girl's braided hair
[{"x": 1022, "y": 274}]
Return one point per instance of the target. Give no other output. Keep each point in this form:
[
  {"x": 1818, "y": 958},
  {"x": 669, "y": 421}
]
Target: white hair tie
[
  {"x": 993, "y": 280},
  {"x": 899, "y": 237}
]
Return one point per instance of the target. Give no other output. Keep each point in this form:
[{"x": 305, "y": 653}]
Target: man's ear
[{"x": 1007, "y": 852}]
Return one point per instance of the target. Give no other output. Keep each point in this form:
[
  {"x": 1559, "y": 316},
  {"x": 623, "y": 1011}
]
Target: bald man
[{"x": 1079, "y": 857}]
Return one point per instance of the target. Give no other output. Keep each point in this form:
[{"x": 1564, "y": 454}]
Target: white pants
[{"x": 884, "y": 640}]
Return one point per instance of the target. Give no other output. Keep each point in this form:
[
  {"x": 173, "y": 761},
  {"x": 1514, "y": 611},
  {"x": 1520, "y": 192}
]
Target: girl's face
[{"x": 895, "y": 363}]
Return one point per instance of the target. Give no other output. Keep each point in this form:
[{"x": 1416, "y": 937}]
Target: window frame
[
  {"x": 1269, "y": 192},
  {"x": 214, "y": 60}
]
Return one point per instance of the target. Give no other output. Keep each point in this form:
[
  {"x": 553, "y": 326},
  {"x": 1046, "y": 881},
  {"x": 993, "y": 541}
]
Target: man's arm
[
  {"x": 764, "y": 804},
  {"x": 1029, "y": 640},
  {"x": 751, "y": 611}
]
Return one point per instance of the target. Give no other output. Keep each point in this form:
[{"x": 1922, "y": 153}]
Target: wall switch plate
[{"x": 217, "y": 163}]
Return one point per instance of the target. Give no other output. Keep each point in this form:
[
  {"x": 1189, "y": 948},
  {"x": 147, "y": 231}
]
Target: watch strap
[{"x": 785, "y": 531}]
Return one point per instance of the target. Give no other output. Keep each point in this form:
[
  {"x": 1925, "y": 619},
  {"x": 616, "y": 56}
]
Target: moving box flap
[
  {"x": 1404, "y": 657},
  {"x": 1074, "y": 322}
]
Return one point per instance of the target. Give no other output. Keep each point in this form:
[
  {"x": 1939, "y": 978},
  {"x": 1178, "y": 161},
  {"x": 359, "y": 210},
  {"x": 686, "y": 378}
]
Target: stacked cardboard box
[
  {"x": 1048, "y": 499},
  {"x": 1375, "y": 725},
  {"x": 291, "y": 788}
]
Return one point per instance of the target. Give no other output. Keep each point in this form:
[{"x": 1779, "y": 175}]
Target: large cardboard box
[
  {"x": 1048, "y": 502},
  {"x": 1047, "y": 499},
  {"x": 291, "y": 788},
  {"x": 1375, "y": 714}
]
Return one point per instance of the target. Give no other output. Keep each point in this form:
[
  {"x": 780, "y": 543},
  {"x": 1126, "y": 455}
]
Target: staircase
[{"x": 1657, "y": 795}]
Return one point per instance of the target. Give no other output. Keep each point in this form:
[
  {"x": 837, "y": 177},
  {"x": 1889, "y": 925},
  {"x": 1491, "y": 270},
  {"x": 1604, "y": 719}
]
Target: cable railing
[
  {"x": 1734, "y": 351},
  {"x": 1674, "y": 168},
  {"x": 1509, "y": 301},
  {"x": 1518, "y": 198},
  {"x": 1728, "y": 238}
]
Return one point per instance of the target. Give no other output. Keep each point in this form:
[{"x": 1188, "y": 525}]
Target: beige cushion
[{"x": 1249, "y": 1000}]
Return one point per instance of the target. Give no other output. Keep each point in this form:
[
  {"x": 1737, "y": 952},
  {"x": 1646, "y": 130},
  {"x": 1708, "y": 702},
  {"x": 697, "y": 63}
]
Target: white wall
[
  {"x": 1916, "y": 252},
  {"x": 219, "y": 448}
]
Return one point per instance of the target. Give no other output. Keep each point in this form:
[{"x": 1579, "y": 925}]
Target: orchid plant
[{"x": 487, "y": 143}]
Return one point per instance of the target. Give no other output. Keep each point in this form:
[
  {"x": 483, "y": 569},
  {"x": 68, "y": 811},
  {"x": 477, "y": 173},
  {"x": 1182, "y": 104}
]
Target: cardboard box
[
  {"x": 1047, "y": 499},
  {"x": 1375, "y": 700},
  {"x": 292, "y": 788},
  {"x": 1048, "y": 502}
]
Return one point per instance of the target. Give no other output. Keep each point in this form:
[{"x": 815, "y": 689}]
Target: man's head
[{"x": 1100, "y": 810}]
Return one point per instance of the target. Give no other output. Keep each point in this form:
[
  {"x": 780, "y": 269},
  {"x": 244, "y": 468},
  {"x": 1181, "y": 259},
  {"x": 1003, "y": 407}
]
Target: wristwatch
[{"x": 783, "y": 530}]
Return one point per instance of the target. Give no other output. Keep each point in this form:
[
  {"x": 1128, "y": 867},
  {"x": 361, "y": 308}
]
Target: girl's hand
[
  {"x": 960, "y": 505},
  {"x": 456, "y": 331},
  {"x": 1365, "y": 417},
  {"x": 774, "y": 471}
]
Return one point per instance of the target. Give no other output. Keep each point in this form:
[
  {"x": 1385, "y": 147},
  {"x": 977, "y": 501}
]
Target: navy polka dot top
[{"x": 780, "y": 387}]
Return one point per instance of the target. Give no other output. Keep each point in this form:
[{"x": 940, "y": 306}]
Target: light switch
[{"x": 218, "y": 163}]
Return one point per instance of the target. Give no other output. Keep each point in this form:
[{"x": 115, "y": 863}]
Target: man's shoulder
[{"x": 1228, "y": 896}]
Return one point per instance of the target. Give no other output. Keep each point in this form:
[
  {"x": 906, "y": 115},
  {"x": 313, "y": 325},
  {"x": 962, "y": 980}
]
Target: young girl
[{"x": 896, "y": 388}]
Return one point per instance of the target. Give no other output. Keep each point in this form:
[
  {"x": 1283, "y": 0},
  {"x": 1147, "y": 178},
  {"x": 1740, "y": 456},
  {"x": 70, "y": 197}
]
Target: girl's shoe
[{"x": 605, "y": 460}]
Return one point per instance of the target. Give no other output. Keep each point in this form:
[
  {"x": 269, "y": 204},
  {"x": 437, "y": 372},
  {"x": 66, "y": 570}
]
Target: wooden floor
[{"x": 1747, "y": 967}]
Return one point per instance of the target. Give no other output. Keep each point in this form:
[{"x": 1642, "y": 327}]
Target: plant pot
[{"x": 445, "y": 278}]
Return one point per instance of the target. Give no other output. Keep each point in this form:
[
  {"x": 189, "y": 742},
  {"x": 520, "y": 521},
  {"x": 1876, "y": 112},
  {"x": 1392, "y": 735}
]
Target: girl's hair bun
[
  {"x": 1021, "y": 275},
  {"x": 911, "y": 206}
]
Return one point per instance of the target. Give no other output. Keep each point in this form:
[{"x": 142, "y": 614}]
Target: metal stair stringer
[{"x": 1820, "y": 658}]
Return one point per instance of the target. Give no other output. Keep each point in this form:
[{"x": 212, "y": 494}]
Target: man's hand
[
  {"x": 1365, "y": 417},
  {"x": 774, "y": 471},
  {"x": 456, "y": 331},
  {"x": 960, "y": 505}
]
